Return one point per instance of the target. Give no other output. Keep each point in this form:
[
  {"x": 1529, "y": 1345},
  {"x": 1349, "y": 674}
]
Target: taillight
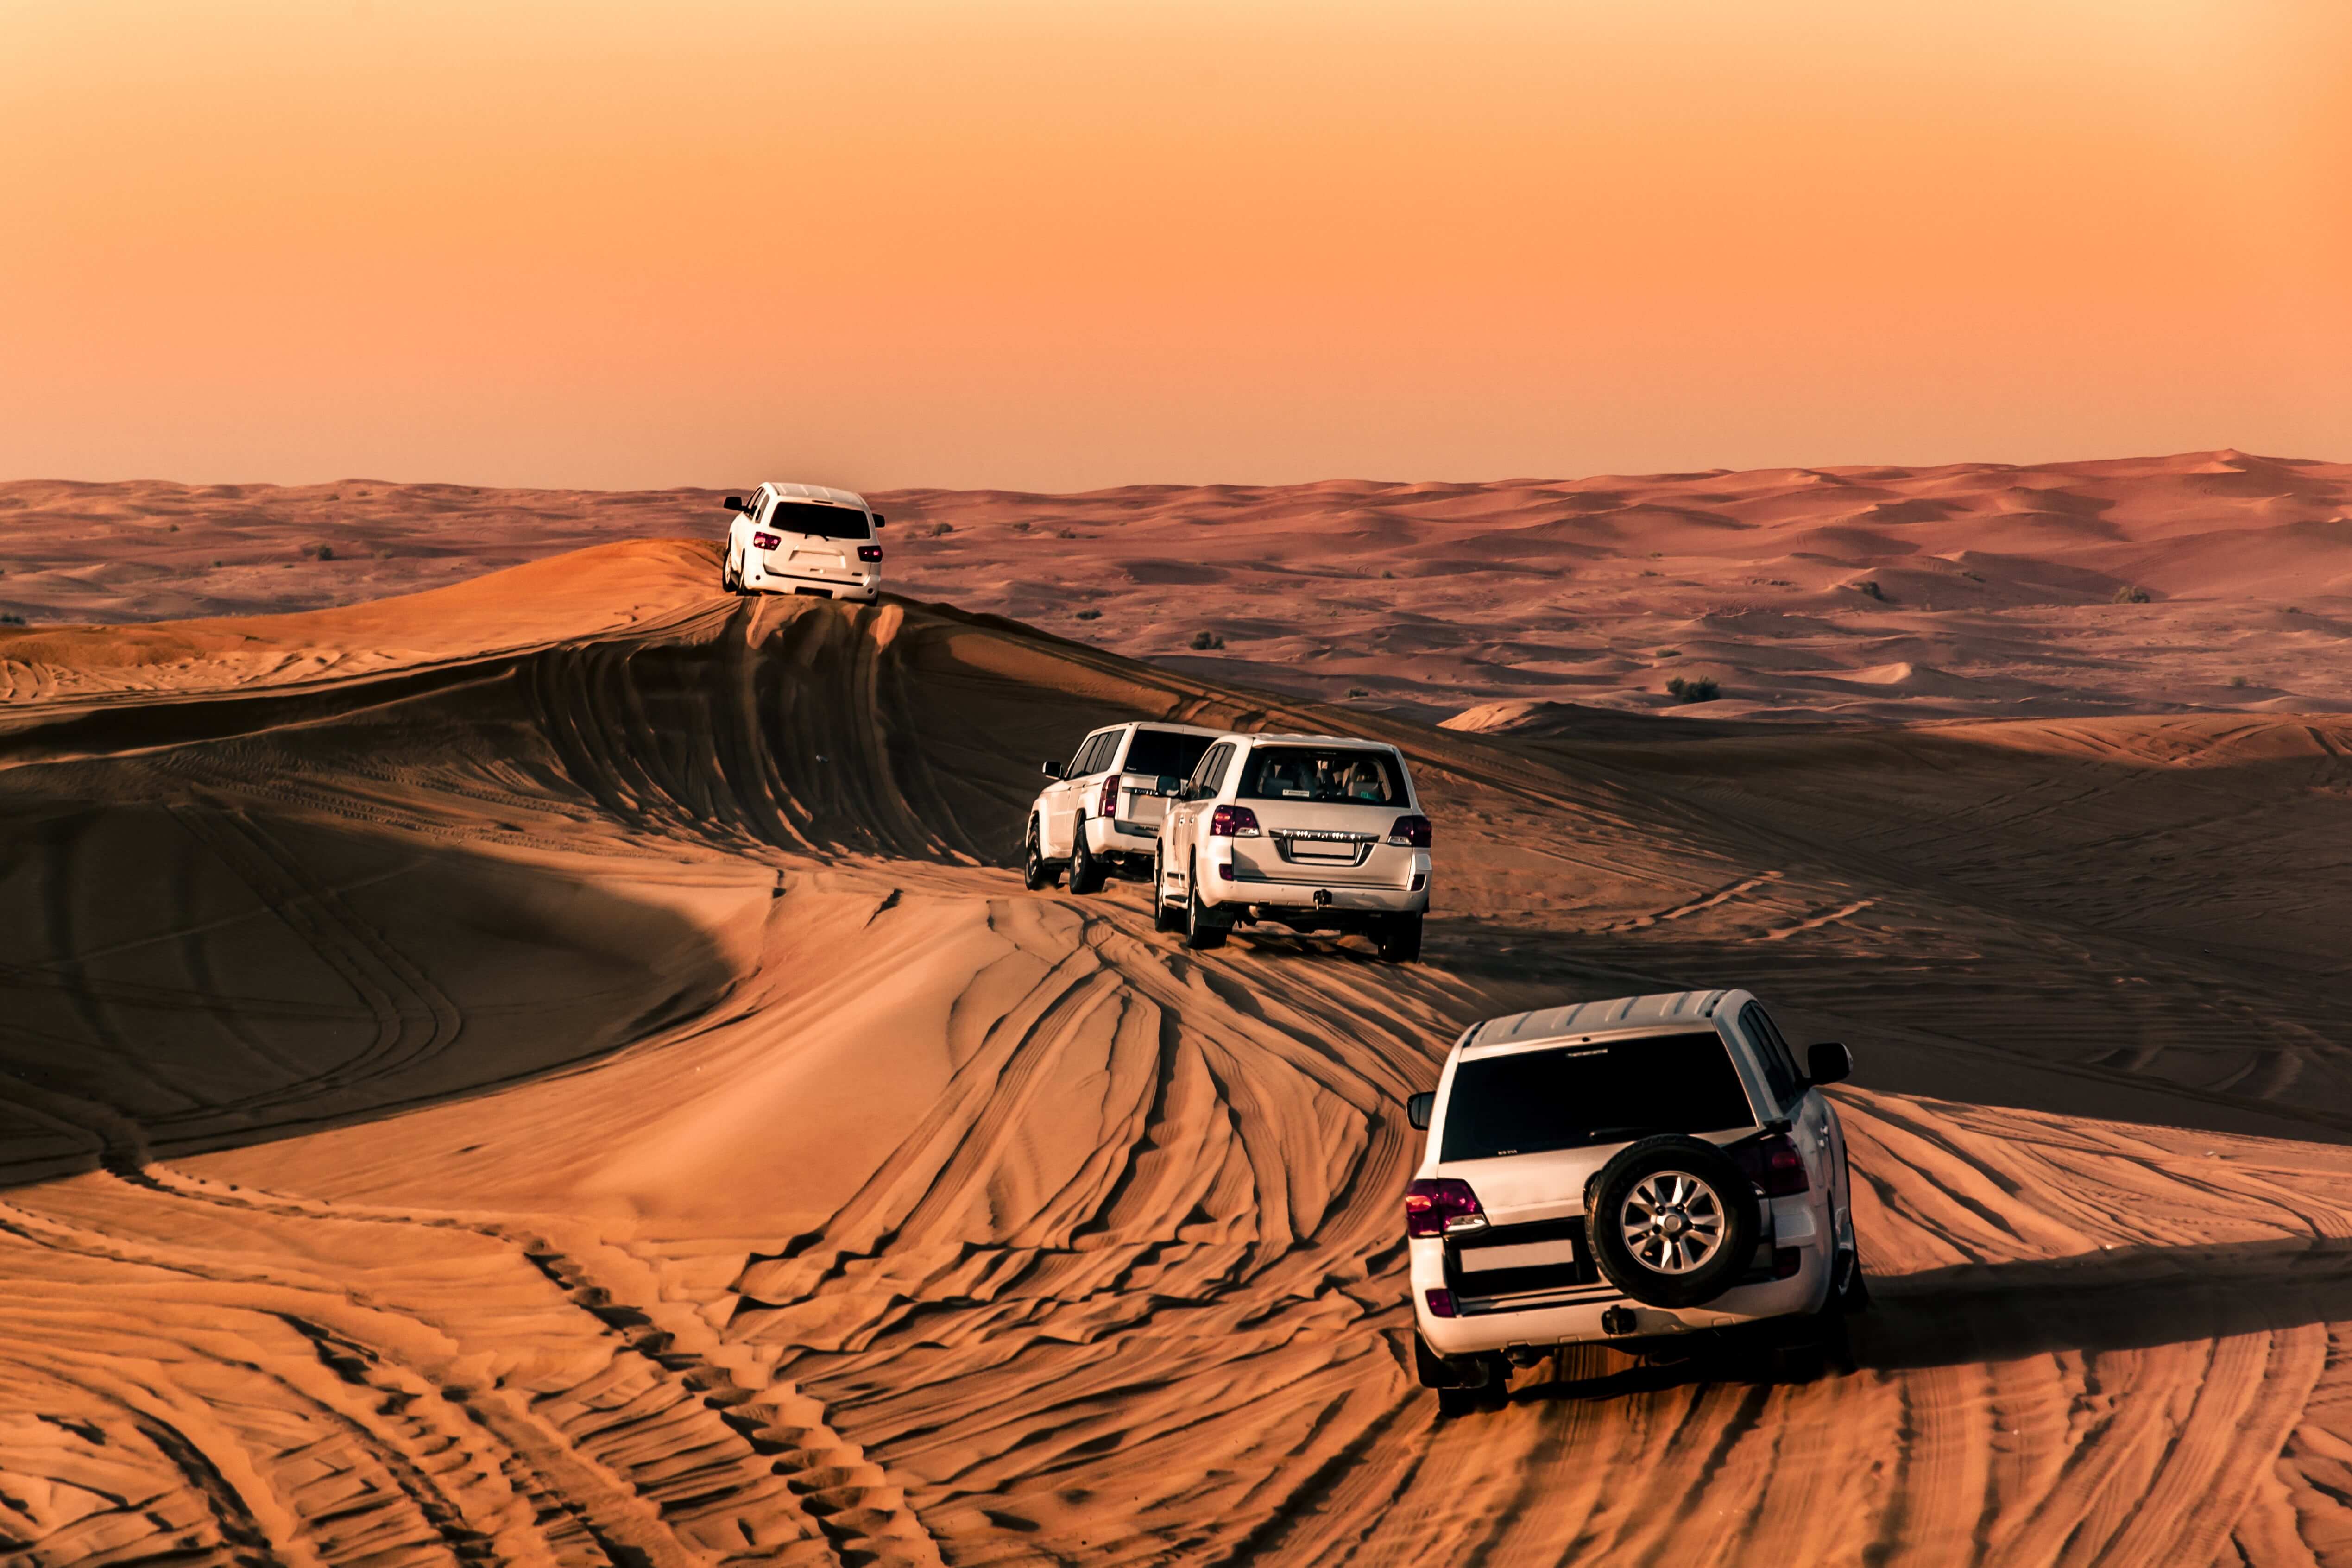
[
  {"x": 1775, "y": 1166},
  {"x": 1411, "y": 832},
  {"x": 1441, "y": 1303},
  {"x": 1110, "y": 795},
  {"x": 869, "y": 552},
  {"x": 1441, "y": 1206},
  {"x": 766, "y": 541},
  {"x": 1233, "y": 822}
]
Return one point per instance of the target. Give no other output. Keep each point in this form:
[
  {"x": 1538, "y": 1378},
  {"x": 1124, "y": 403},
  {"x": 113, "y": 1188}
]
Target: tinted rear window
[
  {"x": 1162, "y": 752},
  {"x": 1575, "y": 1096},
  {"x": 1336, "y": 775},
  {"x": 825, "y": 522}
]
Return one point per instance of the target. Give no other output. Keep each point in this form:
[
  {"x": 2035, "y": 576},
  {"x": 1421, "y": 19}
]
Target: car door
[
  {"x": 1811, "y": 1122},
  {"x": 1062, "y": 796}
]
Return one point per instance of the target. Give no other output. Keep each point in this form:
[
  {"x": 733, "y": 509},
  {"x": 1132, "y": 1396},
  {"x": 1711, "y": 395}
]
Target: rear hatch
[
  {"x": 1326, "y": 815},
  {"x": 813, "y": 539},
  {"x": 1152, "y": 756},
  {"x": 1529, "y": 1129}
]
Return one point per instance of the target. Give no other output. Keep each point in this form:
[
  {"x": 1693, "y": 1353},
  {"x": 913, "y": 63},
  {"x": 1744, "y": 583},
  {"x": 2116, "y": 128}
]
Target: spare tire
[{"x": 1671, "y": 1221}]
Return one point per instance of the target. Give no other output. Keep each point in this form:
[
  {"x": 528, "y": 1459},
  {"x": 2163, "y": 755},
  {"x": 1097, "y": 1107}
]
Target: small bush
[
  {"x": 173, "y": 528},
  {"x": 1088, "y": 615},
  {"x": 1207, "y": 640},
  {"x": 1067, "y": 534},
  {"x": 2237, "y": 682},
  {"x": 218, "y": 564},
  {"x": 1870, "y": 585},
  {"x": 323, "y": 552},
  {"x": 1702, "y": 690},
  {"x": 941, "y": 530},
  {"x": 1669, "y": 653},
  {"x": 1020, "y": 527},
  {"x": 2131, "y": 594},
  {"x": 10, "y": 619},
  {"x": 1358, "y": 692},
  {"x": 1385, "y": 574}
]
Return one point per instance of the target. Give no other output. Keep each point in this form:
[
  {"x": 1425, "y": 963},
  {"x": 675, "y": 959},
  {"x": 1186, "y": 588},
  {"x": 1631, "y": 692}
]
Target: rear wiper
[{"x": 1621, "y": 1135}]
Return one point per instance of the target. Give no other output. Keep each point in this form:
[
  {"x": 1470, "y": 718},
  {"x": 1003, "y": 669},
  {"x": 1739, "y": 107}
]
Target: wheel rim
[{"x": 1671, "y": 1221}]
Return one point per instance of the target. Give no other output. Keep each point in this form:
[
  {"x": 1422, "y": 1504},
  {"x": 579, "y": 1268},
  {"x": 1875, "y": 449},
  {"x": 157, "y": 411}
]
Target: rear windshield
[
  {"x": 1579, "y": 1095},
  {"x": 825, "y": 522},
  {"x": 1343, "y": 775},
  {"x": 1164, "y": 753}
]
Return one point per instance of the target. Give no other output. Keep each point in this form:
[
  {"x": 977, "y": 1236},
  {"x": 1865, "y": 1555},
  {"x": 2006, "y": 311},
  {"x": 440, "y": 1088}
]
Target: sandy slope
[
  {"x": 576, "y": 1084},
  {"x": 1974, "y": 590}
]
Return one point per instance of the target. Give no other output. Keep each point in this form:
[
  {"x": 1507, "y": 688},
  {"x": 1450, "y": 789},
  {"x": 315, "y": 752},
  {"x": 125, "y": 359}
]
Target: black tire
[
  {"x": 1202, "y": 930},
  {"x": 1037, "y": 872},
  {"x": 1087, "y": 874},
  {"x": 1164, "y": 916},
  {"x": 1457, "y": 1402},
  {"x": 1672, "y": 1222},
  {"x": 1850, "y": 1293},
  {"x": 1399, "y": 938},
  {"x": 727, "y": 580}
]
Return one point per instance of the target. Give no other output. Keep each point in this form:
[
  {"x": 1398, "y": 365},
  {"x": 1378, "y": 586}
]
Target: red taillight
[
  {"x": 1110, "y": 795},
  {"x": 1233, "y": 822},
  {"x": 1442, "y": 1205},
  {"x": 869, "y": 552},
  {"x": 766, "y": 541},
  {"x": 1441, "y": 1303},
  {"x": 1775, "y": 1166},
  {"x": 1413, "y": 832}
]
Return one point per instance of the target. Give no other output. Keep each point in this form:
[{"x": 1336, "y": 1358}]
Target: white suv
[
  {"x": 1102, "y": 811},
  {"x": 1633, "y": 1173},
  {"x": 803, "y": 538},
  {"x": 1317, "y": 832}
]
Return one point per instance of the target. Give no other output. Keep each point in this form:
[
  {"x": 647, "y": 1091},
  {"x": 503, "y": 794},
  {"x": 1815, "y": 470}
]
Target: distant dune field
[
  {"x": 559, "y": 1067},
  {"x": 1973, "y": 591}
]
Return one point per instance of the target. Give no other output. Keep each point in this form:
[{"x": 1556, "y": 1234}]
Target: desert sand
[{"x": 557, "y": 1067}]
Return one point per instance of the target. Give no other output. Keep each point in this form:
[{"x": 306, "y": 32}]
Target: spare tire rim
[{"x": 1672, "y": 1222}]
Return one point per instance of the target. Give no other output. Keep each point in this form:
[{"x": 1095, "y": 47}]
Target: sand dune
[{"x": 559, "y": 1071}]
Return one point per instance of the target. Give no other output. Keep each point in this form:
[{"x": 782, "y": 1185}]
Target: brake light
[
  {"x": 1441, "y": 1206},
  {"x": 1110, "y": 795},
  {"x": 1411, "y": 832},
  {"x": 869, "y": 552},
  {"x": 1233, "y": 822},
  {"x": 1775, "y": 1166},
  {"x": 766, "y": 541}
]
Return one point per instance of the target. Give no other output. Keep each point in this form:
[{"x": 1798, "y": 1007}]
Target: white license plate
[{"x": 1526, "y": 1255}]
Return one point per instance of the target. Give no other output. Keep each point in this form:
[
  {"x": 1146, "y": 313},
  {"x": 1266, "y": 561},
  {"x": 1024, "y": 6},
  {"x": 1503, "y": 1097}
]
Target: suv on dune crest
[
  {"x": 1102, "y": 811},
  {"x": 1317, "y": 832},
  {"x": 803, "y": 538},
  {"x": 1653, "y": 1173}
]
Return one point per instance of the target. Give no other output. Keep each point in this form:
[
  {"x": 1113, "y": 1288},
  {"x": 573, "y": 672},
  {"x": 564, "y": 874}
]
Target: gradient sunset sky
[{"x": 1060, "y": 246}]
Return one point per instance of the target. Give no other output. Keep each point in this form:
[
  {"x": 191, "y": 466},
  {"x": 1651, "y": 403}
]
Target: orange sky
[{"x": 1062, "y": 245}]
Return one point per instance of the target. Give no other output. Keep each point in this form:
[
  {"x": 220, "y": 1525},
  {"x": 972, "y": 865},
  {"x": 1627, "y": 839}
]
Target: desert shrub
[
  {"x": 1088, "y": 615},
  {"x": 1067, "y": 534},
  {"x": 1702, "y": 690},
  {"x": 1870, "y": 585},
  {"x": 1358, "y": 692},
  {"x": 1386, "y": 573},
  {"x": 2237, "y": 682},
  {"x": 1669, "y": 653},
  {"x": 2131, "y": 594},
  {"x": 173, "y": 528},
  {"x": 1021, "y": 527},
  {"x": 323, "y": 551},
  {"x": 1205, "y": 639},
  {"x": 10, "y": 619},
  {"x": 941, "y": 530}
]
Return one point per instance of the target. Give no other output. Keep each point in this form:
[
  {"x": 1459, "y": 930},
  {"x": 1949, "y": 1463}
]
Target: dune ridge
[{"x": 591, "y": 1091}]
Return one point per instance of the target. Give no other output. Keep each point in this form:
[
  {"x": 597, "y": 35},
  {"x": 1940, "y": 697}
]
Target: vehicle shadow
[{"x": 2123, "y": 1299}]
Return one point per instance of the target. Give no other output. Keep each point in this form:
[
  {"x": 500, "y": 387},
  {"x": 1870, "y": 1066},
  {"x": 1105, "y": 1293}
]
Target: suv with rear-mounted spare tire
[{"x": 1654, "y": 1174}]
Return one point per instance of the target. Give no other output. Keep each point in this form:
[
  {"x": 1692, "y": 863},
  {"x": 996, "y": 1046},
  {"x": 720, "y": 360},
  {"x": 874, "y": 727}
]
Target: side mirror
[
  {"x": 879, "y": 519},
  {"x": 1050, "y": 770},
  {"x": 1828, "y": 1063},
  {"x": 734, "y": 503},
  {"x": 1170, "y": 784},
  {"x": 1417, "y": 1108}
]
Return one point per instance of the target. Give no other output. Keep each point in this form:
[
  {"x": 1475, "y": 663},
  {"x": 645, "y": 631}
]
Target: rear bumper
[
  {"x": 1219, "y": 889},
  {"x": 1108, "y": 838},
  {"x": 1575, "y": 1317},
  {"x": 758, "y": 574}
]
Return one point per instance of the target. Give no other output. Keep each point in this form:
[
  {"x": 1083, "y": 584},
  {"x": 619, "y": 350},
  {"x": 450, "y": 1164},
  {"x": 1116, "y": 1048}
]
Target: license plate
[{"x": 1521, "y": 1255}]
